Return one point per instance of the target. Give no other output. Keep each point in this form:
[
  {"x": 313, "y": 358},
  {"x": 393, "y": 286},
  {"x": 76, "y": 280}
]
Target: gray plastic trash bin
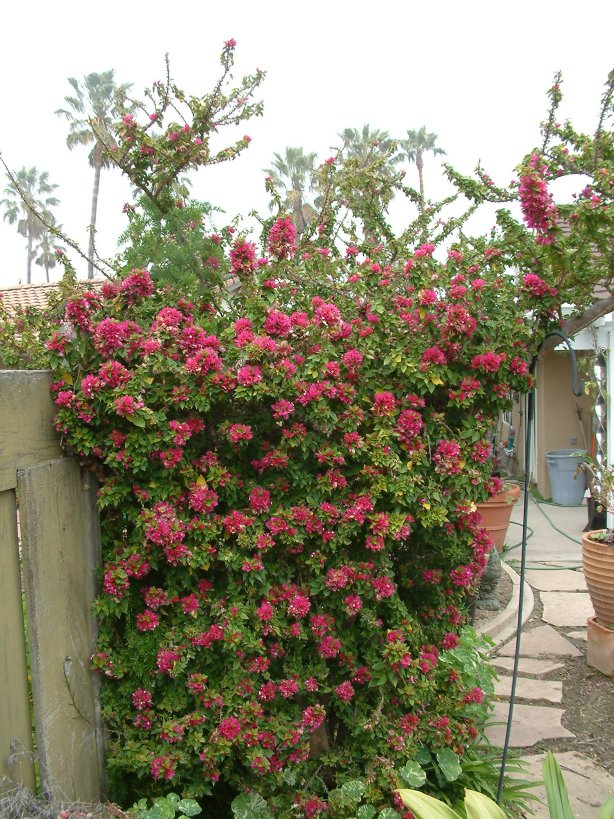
[{"x": 567, "y": 487}]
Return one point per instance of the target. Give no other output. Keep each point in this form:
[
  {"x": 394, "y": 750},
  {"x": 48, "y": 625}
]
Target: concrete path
[{"x": 555, "y": 631}]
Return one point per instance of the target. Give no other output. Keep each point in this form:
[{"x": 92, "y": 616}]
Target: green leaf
[
  {"x": 606, "y": 811},
  {"x": 480, "y": 806},
  {"x": 162, "y": 809},
  {"x": 388, "y": 813},
  {"x": 139, "y": 807},
  {"x": 366, "y": 812},
  {"x": 413, "y": 774},
  {"x": 290, "y": 777},
  {"x": 189, "y": 807},
  {"x": 426, "y": 807},
  {"x": 354, "y": 789},
  {"x": 166, "y": 806},
  {"x": 137, "y": 420},
  {"x": 449, "y": 764},
  {"x": 250, "y": 806},
  {"x": 556, "y": 790},
  {"x": 422, "y": 756}
]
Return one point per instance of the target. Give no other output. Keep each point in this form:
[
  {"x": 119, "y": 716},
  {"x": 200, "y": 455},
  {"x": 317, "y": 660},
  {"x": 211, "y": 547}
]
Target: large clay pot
[
  {"x": 496, "y": 513},
  {"x": 598, "y": 563}
]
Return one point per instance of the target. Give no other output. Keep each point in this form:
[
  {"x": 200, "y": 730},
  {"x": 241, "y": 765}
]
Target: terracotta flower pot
[
  {"x": 598, "y": 563},
  {"x": 496, "y": 513}
]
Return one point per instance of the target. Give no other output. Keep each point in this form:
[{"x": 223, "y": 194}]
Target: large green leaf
[
  {"x": 422, "y": 756},
  {"x": 413, "y": 774},
  {"x": 366, "y": 812},
  {"x": 426, "y": 807},
  {"x": 250, "y": 806},
  {"x": 479, "y": 806},
  {"x": 162, "y": 808},
  {"x": 556, "y": 790},
  {"x": 449, "y": 764},
  {"x": 189, "y": 807},
  {"x": 606, "y": 811},
  {"x": 353, "y": 789}
]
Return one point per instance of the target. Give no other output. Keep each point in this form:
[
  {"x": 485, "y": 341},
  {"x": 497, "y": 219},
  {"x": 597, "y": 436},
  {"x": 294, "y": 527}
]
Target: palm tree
[
  {"x": 373, "y": 154},
  {"x": 46, "y": 249},
  {"x": 28, "y": 203},
  {"x": 366, "y": 145},
  {"x": 290, "y": 176},
  {"x": 91, "y": 112},
  {"x": 413, "y": 149}
]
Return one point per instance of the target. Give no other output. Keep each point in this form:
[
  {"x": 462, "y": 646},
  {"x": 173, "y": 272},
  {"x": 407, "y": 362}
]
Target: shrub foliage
[{"x": 288, "y": 476}]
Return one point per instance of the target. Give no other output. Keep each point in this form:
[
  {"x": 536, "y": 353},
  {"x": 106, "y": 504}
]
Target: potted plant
[
  {"x": 495, "y": 516},
  {"x": 598, "y": 553},
  {"x": 598, "y": 565},
  {"x": 497, "y": 510}
]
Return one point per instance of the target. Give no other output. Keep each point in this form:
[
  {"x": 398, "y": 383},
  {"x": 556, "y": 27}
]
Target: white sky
[{"x": 475, "y": 72}]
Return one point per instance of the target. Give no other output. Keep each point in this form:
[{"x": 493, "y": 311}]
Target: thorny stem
[
  {"x": 72, "y": 696},
  {"x": 555, "y": 96}
]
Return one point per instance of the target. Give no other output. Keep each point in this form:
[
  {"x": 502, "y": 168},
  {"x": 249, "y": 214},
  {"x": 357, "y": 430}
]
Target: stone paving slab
[
  {"x": 559, "y": 566},
  {"x": 577, "y": 635},
  {"x": 572, "y": 519},
  {"x": 556, "y": 580},
  {"x": 566, "y": 608},
  {"x": 527, "y": 665},
  {"x": 545, "y": 544},
  {"x": 539, "y": 642},
  {"x": 531, "y": 724},
  {"x": 588, "y": 784},
  {"x": 527, "y": 689},
  {"x": 553, "y": 551}
]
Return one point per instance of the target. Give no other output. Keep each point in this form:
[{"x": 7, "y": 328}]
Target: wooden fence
[{"x": 50, "y": 730}]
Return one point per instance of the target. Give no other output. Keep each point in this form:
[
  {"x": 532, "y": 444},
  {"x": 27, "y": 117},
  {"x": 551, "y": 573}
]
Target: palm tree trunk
[
  {"x": 299, "y": 218},
  {"x": 90, "y": 252},
  {"x": 30, "y": 257},
  {"x": 420, "y": 166}
]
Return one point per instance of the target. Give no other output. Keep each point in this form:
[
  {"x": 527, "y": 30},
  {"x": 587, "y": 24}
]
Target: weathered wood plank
[
  {"x": 16, "y": 759},
  {"x": 27, "y": 434},
  {"x": 60, "y": 556}
]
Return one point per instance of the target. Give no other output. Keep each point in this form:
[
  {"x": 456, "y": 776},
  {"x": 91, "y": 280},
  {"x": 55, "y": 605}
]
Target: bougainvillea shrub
[
  {"x": 287, "y": 504},
  {"x": 288, "y": 477}
]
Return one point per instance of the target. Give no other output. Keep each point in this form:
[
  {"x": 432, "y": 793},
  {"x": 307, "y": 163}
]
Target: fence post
[
  {"x": 27, "y": 436},
  {"x": 60, "y": 557},
  {"x": 16, "y": 758}
]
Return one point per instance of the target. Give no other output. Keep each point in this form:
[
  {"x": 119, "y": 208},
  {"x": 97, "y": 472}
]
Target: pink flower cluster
[
  {"x": 538, "y": 208},
  {"x": 282, "y": 238}
]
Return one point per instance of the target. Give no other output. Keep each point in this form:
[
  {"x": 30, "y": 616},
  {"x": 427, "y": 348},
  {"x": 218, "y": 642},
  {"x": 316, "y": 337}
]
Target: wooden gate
[{"x": 50, "y": 727}]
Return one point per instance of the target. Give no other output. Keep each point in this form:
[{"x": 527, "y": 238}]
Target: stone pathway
[{"x": 562, "y": 597}]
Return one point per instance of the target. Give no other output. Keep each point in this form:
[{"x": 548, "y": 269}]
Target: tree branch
[{"x": 573, "y": 325}]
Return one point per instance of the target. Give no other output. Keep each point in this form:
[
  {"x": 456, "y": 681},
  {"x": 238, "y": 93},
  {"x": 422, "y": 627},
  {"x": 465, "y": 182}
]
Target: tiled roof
[{"x": 37, "y": 295}]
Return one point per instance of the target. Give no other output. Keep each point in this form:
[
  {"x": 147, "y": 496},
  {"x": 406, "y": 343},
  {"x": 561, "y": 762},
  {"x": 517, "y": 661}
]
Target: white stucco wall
[{"x": 601, "y": 335}]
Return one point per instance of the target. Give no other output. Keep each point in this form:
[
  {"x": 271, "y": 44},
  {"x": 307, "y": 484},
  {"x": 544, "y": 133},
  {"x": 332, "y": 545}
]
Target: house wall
[{"x": 562, "y": 421}]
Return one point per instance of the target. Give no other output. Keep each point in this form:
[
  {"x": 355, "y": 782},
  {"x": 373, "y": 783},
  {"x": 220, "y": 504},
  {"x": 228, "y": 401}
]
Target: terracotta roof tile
[{"x": 37, "y": 295}]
